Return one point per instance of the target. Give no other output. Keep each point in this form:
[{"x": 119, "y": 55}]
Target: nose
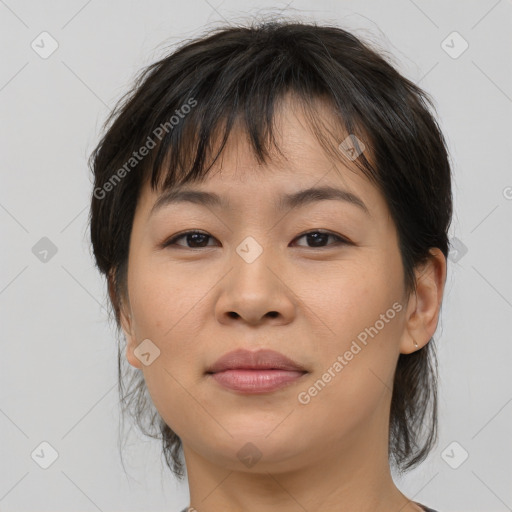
[{"x": 256, "y": 292}]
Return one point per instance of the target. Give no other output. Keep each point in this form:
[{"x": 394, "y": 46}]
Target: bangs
[{"x": 242, "y": 90}]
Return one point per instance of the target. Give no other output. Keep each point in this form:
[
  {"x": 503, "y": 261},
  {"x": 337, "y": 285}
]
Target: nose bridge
[
  {"x": 250, "y": 250},
  {"x": 252, "y": 260},
  {"x": 253, "y": 288}
]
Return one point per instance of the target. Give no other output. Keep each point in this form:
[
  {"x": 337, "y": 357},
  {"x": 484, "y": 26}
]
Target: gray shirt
[{"x": 423, "y": 506}]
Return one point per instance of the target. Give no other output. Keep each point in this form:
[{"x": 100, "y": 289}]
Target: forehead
[{"x": 300, "y": 161}]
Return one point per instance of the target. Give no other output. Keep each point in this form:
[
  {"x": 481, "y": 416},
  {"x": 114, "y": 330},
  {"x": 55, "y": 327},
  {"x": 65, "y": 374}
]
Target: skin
[{"x": 332, "y": 453}]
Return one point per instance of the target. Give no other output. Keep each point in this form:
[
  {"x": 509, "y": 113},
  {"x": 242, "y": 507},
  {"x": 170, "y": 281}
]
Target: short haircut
[{"x": 234, "y": 77}]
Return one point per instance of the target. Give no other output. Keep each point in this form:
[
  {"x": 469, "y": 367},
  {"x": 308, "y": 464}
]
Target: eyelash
[{"x": 172, "y": 241}]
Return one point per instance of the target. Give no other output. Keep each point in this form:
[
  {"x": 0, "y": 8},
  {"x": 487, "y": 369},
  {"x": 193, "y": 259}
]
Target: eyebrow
[{"x": 287, "y": 201}]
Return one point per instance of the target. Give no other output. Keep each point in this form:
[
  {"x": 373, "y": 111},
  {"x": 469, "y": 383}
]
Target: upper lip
[{"x": 261, "y": 360}]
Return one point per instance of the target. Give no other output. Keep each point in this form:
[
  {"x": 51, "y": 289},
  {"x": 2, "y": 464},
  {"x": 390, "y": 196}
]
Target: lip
[
  {"x": 255, "y": 372},
  {"x": 242, "y": 359}
]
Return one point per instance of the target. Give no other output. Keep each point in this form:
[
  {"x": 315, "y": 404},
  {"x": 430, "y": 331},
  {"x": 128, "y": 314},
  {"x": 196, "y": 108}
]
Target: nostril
[
  {"x": 273, "y": 314},
  {"x": 232, "y": 314}
]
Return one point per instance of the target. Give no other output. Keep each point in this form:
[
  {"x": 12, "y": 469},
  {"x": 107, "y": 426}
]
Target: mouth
[
  {"x": 255, "y": 372},
  {"x": 256, "y": 381}
]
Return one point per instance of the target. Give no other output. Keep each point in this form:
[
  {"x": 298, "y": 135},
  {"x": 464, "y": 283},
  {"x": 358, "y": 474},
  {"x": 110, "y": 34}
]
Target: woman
[{"x": 271, "y": 208}]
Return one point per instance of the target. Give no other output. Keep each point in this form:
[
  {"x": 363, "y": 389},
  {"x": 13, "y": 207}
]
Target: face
[{"x": 320, "y": 282}]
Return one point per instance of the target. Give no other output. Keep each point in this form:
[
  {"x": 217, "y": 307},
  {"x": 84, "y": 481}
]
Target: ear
[
  {"x": 425, "y": 305},
  {"x": 123, "y": 311}
]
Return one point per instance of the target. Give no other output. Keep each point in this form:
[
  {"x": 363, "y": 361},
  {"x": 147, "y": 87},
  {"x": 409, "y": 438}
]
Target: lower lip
[{"x": 256, "y": 381}]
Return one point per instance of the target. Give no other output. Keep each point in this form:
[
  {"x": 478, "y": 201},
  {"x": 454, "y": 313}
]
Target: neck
[{"x": 342, "y": 475}]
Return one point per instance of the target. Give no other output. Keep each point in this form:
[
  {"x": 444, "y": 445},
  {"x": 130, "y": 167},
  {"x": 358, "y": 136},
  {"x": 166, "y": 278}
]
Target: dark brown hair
[{"x": 182, "y": 103}]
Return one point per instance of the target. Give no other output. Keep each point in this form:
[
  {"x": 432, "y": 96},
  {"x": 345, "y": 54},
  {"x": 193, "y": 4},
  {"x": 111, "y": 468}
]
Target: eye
[
  {"x": 199, "y": 239},
  {"x": 196, "y": 238},
  {"x": 318, "y": 237}
]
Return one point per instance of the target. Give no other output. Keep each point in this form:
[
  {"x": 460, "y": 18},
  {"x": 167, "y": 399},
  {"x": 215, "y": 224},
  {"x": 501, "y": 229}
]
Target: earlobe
[
  {"x": 130, "y": 356},
  {"x": 424, "y": 306}
]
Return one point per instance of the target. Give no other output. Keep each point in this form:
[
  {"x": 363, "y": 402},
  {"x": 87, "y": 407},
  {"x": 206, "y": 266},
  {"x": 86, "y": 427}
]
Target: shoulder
[{"x": 427, "y": 509}]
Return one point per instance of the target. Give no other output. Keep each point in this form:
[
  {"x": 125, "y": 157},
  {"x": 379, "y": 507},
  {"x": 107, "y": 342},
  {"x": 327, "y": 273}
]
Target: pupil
[
  {"x": 316, "y": 237},
  {"x": 194, "y": 235}
]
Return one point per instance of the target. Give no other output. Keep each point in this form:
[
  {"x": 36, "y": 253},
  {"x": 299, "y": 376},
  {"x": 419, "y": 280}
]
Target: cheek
[
  {"x": 165, "y": 309},
  {"x": 360, "y": 312},
  {"x": 353, "y": 296},
  {"x": 354, "y": 374},
  {"x": 163, "y": 304},
  {"x": 164, "y": 298}
]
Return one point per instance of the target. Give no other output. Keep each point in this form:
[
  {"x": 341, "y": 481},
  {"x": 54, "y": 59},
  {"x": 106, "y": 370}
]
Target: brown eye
[
  {"x": 319, "y": 238},
  {"x": 196, "y": 239},
  {"x": 199, "y": 239}
]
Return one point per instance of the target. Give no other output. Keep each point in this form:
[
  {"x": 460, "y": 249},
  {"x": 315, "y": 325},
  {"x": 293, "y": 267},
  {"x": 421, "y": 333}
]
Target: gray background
[{"x": 58, "y": 362}]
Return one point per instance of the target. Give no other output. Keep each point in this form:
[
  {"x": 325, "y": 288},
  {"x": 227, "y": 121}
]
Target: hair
[{"x": 181, "y": 104}]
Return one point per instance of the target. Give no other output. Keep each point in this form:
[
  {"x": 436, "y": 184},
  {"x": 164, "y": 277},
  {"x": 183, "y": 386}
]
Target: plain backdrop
[{"x": 64, "y": 65}]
